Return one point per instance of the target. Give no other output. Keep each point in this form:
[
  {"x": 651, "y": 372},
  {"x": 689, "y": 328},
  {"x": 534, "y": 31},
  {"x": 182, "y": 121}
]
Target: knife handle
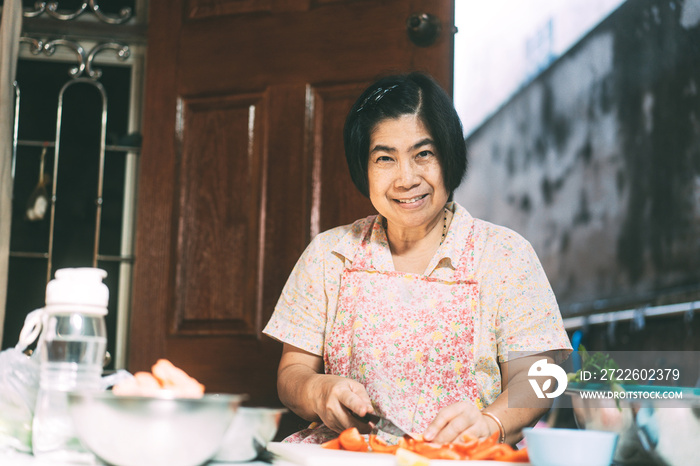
[{"x": 367, "y": 418}]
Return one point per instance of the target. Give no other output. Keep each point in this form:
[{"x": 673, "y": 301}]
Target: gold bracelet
[{"x": 501, "y": 429}]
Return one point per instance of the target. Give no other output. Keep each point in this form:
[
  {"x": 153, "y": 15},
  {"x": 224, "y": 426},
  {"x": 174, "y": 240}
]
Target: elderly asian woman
[{"x": 421, "y": 313}]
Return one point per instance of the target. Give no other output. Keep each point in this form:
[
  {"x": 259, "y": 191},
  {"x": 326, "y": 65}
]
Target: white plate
[{"x": 313, "y": 455}]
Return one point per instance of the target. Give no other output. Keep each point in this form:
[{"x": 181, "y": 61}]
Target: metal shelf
[
  {"x": 687, "y": 308},
  {"x": 108, "y": 147}
]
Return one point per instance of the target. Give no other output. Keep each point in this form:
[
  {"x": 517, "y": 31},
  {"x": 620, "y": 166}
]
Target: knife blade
[{"x": 382, "y": 423}]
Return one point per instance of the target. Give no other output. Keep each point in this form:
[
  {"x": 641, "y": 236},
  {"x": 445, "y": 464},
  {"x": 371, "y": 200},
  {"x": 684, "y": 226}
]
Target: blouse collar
[{"x": 451, "y": 249}]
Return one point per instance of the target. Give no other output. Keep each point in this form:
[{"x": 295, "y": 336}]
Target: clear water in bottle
[
  {"x": 86, "y": 349},
  {"x": 71, "y": 350},
  {"x": 70, "y": 366}
]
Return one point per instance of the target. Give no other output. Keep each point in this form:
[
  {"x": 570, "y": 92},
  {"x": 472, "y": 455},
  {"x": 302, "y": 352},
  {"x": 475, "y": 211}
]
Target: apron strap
[
  {"x": 362, "y": 259},
  {"x": 466, "y": 267}
]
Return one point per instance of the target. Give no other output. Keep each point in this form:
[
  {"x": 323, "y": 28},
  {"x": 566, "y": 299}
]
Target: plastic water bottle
[{"x": 71, "y": 352}]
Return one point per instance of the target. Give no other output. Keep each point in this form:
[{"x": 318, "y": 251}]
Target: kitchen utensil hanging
[{"x": 38, "y": 201}]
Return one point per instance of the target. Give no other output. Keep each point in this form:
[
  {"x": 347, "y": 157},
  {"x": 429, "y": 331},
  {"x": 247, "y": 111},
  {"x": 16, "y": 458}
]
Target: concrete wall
[{"x": 597, "y": 162}]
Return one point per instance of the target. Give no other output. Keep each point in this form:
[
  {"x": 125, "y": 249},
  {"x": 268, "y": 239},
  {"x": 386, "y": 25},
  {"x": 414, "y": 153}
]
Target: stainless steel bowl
[
  {"x": 249, "y": 433},
  {"x": 152, "y": 431}
]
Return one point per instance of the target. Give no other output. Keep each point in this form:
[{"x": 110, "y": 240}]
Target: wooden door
[{"x": 242, "y": 163}]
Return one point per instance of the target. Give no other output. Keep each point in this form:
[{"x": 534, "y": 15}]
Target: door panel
[
  {"x": 205, "y": 8},
  {"x": 218, "y": 218},
  {"x": 243, "y": 163},
  {"x": 336, "y": 202}
]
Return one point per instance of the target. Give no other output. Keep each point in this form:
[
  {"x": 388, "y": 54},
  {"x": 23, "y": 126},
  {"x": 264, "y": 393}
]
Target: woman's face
[{"x": 405, "y": 177}]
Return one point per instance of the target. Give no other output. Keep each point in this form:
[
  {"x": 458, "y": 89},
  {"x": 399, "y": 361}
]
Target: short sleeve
[
  {"x": 527, "y": 317},
  {"x": 300, "y": 314}
]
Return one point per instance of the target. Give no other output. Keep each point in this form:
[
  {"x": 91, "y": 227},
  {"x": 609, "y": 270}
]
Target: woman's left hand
[
  {"x": 455, "y": 420},
  {"x": 466, "y": 418}
]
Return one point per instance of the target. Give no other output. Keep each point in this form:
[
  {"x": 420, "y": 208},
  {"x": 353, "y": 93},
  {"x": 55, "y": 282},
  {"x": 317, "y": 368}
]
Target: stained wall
[{"x": 597, "y": 162}]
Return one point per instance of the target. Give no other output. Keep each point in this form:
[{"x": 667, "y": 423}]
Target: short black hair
[{"x": 406, "y": 94}]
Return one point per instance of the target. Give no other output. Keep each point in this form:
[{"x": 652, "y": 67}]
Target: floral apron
[{"x": 406, "y": 337}]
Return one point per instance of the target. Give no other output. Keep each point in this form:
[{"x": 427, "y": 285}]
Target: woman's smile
[{"x": 412, "y": 200}]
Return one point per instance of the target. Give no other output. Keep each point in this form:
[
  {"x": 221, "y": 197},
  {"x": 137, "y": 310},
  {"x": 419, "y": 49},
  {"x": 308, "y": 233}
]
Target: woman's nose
[{"x": 408, "y": 175}]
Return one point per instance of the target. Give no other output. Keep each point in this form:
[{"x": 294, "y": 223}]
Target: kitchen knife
[{"x": 383, "y": 423}]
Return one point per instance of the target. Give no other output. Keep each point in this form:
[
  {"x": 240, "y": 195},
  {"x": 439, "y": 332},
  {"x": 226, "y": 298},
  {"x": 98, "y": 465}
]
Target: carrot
[
  {"x": 490, "y": 452},
  {"x": 407, "y": 443},
  {"x": 351, "y": 439},
  {"x": 492, "y": 440},
  {"x": 175, "y": 379},
  {"x": 141, "y": 384},
  {"x": 466, "y": 438},
  {"x": 420, "y": 447},
  {"x": 516, "y": 456},
  {"x": 464, "y": 449},
  {"x": 436, "y": 451},
  {"x": 380, "y": 446},
  {"x": 332, "y": 444},
  {"x": 468, "y": 448},
  {"x": 486, "y": 443}
]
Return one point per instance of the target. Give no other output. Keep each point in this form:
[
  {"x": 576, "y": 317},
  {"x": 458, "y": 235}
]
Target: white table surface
[
  {"x": 287, "y": 455},
  {"x": 11, "y": 457}
]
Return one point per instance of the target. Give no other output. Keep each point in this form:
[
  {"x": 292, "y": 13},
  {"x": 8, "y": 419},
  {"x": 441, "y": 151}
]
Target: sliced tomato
[
  {"x": 464, "y": 449},
  {"x": 491, "y": 452},
  {"x": 447, "y": 453},
  {"x": 466, "y": 438},
  {"x": 351, "y": 439},
  {"x": 380, "y": 446},
  {"x": 516, "y": 456},
  {"x": 492, "y": 440},
  {"x": 420, "y": 447},
  {"x": 436, "y": 451},
  {"x": 406, "y": 442},
  {"x": 332, "y": 444}
]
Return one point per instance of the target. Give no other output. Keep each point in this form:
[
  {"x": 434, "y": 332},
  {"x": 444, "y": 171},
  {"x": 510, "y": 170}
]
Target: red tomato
[
  {"x": 332, "y": 444},
  {"x": 352, "y": 440},
  {"x": 380, "y": 446}
]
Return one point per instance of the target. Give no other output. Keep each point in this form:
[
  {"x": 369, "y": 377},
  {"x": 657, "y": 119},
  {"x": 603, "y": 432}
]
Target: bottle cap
[{"x": 78, "y": 289}]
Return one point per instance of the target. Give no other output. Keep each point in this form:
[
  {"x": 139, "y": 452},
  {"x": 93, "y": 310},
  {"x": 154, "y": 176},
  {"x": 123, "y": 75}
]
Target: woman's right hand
[
  {"x": 336, "y": 398},
  {"x": 313, "y": 395}
]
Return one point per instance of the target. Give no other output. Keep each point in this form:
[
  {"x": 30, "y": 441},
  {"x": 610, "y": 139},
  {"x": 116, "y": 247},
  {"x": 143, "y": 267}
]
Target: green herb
[{"x": 597, "y": 363}]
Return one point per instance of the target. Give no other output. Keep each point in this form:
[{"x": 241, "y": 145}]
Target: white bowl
[
  {"x": 569, "y": 447},
  {"x": 249, "y": 433},
  {"x": 152, "y": 431}
]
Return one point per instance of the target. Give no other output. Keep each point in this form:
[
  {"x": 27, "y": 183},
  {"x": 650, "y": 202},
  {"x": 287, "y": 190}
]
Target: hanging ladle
[{"x": 38, "y": 202}]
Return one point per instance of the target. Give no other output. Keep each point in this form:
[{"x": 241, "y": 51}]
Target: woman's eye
[
  {"x": 383, "y": 158},
  {"x": 424, "y": 154}
]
